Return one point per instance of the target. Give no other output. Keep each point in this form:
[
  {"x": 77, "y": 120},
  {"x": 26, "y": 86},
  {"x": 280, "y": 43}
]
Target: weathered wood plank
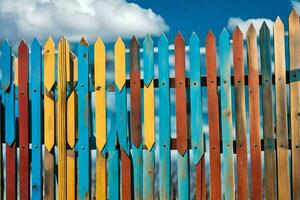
[
  {"x": 240, "y": 115},
  {"x": 23, "y": 119},
  {"x": 164, "y": 120},
  {"x": 149, "y": 128},
  {"x": 135, "y": 119},
  {"x": 213, "y": 117},
  {"x": 101, "y": 192},
  {"x": 284, "y": 186},
  {"x": 36, "y": 119},
  {"x": 226, "y": 115},
  {"x": 63, "y": 64},
  {"x": 294, "y": 49},
  {"x": 126, "y": 175},
  {"x": 268, "y": 127},
  {"x": 84, "y": 128},
  {"x": 254, "y": 115},
  {"x": 181, "y": 119},
  {"x": 71, "y": 174}
]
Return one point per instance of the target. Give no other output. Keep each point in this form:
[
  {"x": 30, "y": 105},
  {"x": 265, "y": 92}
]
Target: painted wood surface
[
  {"x": 135, "y": 119},
  {"x": 254, "y": 115},
  {"x": 268, "y": 127},
  {"x": 226, "y": 115},
  {"x": 23, "y": 97},
  {"x": 213, "y": 117},
  {"x": 181, "y": 119},
  {"x": 84, "y": 128},
  {"x": 149, "y": 122},
  {"x": 164, "y": 129},
  {"x": 240, "y": 115},
  {"x": 49, "y": 119},
  {"x": 8, "y": 100},
  {"x": 284, "y": 189},
  {"x": 294, "y": 50},
  {"x": 36, "y": 119}
]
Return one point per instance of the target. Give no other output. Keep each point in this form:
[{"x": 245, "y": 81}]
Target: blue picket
[
  {"x": 195, "y": 98},
  {"x": 164, "y": 119},
  {"x": 148, "y": 154},
  {"x": 226, "y": 115},
  {"x": 83, "y": 121},
  {"x": 36, "y": 120}
]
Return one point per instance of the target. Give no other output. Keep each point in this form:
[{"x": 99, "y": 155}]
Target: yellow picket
[
  {"x": 120, "y": 73},
  {"x": 149, "y": 115}
]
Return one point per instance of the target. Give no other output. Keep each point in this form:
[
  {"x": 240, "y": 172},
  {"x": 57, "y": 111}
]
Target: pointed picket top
[
  {"x": 264, "y": 29},
  {"x": 134, "y": 46},
  {"x": 49, "y": 64},
  {"x": 278, "y": 24},
  {"x": 148, "y": 58},
  {"x": 23, "y": 46},
  {"x": 179, "y": 40},
  {"x": 293, "y": 15},
  {"x": 237, "y": 33},
  {"x": 163, "y": 41},
  {"x": 120, "y": 67},
  {"x": 224, "y": 34},
  {"x": 35, "y": 43},
  {"x": 6, "y": 65},
  {"x": 36, "y": 64},
  {"x": 210, "y": 37},
  {"x": 194, "y": 38},
  {"x": 100, "y": 108},
  {"x": 84, "y": 41},
  {"x": 251, "y": 32}
]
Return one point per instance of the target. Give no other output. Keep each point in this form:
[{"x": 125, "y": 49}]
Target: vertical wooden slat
[
  {"x": 268, "y": 127},
  {"x": 181, "y": 119},
  {"x": 49, "y": 115},
  {"x": 226, "y": 115},
  {"x": 294, "y": 47},
  {"x": 36, "y": 118},
  {"x": 240, "y": 115},
  {"x": 135, "y": 119},
  {"x": 71, "y": 127},
  {"x": 63, "y": 64},
  {"x": 284, "y": 190},
  {"x": 100, "y": 114},
  {"x": 149, "y": 128},
  {"x": 8, "y": 99},
  {"x": 23, "y": 119},
  {"x": 164, "y": 120},
  {"x": 83, "y": 121},
  {"x": 213, "y": 117},
  {"x": 254, "y": 115},
  {"x": 197, "y": 140}
]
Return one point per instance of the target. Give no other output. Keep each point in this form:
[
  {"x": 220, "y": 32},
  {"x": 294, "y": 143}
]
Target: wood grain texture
[
  {"x": 23, "y": 119},
  {"x": 71, "y": 174},
  {"x": 284, "y": 186},
  {"x": 213, "y": 117},
  {"x": 294, "y": 49},
  {"x": 254, "y": 115},
  {"x": 240, "y": 115},
  {"x": 11, "y": 171},
  {"x": 200, "y": 179},
  {"x": 101, "y": 173},
  {"x": 268, "y": 127},
  {"x": 126, "y": 175},
  {"x": 36, "y": 119},
  {"x": 164, "y": 129},
  {"x": 63, "y": 64},
  {"x": 84, "y": 123}
]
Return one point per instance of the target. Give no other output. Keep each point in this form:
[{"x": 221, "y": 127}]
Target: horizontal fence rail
[{"x": 234, "y": 110}]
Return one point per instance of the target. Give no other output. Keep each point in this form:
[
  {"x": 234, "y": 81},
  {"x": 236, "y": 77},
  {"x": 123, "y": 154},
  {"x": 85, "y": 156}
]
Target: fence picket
[
  {"x": 36, "y": 119},
  {"x": 281, "y": 112},
  {"x": 226, "y": 115},
  {"x": 213, "y": 117},
  {"x": 135, "y": 119},
  {"x": 254, "y": 114},
  {"x": 240, "y": 115},
  {"x": 149, "y": 128},
  {"x": 23, "y": 62},
  {"x": 164, "y": 120}
]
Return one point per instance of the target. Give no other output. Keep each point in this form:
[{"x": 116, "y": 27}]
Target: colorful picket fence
[{"x": 47, "y": 115}]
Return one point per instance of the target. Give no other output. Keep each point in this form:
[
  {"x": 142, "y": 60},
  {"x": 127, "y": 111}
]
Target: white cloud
[
  {"x": 233, "y": 22},
  {"x": 74, "y": 18},
  {"x": 296, "y": 5}
]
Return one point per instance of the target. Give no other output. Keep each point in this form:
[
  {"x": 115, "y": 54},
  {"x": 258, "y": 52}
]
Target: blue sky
[{"x": 111, "y": 18}]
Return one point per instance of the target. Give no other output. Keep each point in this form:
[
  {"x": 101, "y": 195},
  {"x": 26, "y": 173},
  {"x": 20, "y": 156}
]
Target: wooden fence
[{"x": 47, "y": 118}]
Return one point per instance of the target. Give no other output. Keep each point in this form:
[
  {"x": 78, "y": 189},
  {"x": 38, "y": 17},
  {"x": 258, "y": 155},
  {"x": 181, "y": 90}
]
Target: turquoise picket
[
  {"x": 164, "y": 120},
  {"x": 268, "y": 130},
  {"x": 113, "y": 161},
  {"x": 83, "y": 121},
  {"x": 8, "y": 96},
  {"x": 36, "y": 119},
  {"x": 226, "y": 115},
  {"x": 148, "y": 154},
  {"x": 195, "y": 98}
]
